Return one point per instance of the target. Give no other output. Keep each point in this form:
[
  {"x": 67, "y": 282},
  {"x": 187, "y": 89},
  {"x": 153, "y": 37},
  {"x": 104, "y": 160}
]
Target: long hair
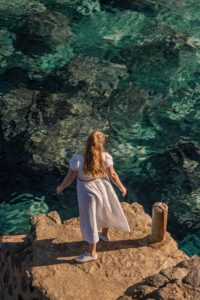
[{"x": 93, "y": 159}]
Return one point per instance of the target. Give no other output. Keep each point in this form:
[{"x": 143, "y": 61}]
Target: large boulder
[
  {"x": 44, "y": 259},
  {"x": 178, "y": 282}
]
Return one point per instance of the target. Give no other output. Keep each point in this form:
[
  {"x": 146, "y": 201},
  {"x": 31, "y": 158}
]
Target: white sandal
[
  {"x": 85, "y": 257},
  {"x": 104, "y": 238}
]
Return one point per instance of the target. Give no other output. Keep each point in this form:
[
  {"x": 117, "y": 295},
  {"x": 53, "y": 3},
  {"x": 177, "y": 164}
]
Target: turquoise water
[{"x": 130, "y": 68}]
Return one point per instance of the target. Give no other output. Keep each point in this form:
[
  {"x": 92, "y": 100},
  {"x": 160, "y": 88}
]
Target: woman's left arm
[{"x": 69, "y": 178}]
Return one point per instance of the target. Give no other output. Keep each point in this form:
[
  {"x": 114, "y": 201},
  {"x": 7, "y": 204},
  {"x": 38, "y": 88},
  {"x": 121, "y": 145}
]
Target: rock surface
[
  {"x": 45, "y": 259},
  {"x": 178, "y": 282}
]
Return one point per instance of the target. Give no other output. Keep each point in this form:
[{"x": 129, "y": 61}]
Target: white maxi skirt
[{"x": 99, "y": 207}]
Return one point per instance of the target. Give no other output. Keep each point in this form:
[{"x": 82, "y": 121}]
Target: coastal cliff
[
  {"x": 178, "y": 282},
  {"x": 40, "y": 265}
]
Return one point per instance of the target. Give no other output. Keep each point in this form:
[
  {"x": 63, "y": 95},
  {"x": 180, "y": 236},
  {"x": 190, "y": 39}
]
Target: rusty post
[{"x": 159, "y": 222}]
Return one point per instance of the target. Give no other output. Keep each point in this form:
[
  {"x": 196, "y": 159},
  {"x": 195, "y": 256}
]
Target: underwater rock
[
  {"x": 173, "y": 177},
  {"x": 130, "y": 68},
  {"x": 15, "y": 13},
  {"x": 9, "y": 57},
  {"x": 138, "y": 5},
  {"x": 128, "y": 102},
  {"x": 42, "y": 32},
  {"x": 14, "y": 109},
  {"x": 52, "y": 125},
  {"x": 106, "y": 33},
  {"x": 159, "y": 54},
  {"x": 96, "y": 77}
]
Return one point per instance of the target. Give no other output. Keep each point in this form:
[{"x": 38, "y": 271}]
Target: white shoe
[
  {"x": 104, "y": 238},
  {"x": 85, "y": 257}
]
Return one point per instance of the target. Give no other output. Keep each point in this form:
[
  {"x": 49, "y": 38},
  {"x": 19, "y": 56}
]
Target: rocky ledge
[
  {"x": 41, "y": 265},
  {"x": 178, "y": 282}
]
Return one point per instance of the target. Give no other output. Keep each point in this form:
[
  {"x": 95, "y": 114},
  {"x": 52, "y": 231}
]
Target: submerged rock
[
  {"x": 49, "y": 125},
  {"x": 138, "y": 5},
  {"x": 176, "y": 182},
  {"x": 97, "y": 77},
  {"x": 130, "y": 68}
]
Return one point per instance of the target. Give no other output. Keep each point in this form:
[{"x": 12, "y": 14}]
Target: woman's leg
[
  {"x": 92, "y": 249},
  {"x": 105, "y": 231}
]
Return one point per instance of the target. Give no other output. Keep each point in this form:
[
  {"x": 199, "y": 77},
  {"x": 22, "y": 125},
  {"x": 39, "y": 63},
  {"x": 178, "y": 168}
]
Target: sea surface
[{"x": 129, "y": 68}]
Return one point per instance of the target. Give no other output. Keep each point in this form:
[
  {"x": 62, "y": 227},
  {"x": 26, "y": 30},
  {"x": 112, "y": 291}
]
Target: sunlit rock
[{"x": 178, "y": 282}]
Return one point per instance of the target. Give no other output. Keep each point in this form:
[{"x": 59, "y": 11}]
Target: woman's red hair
[{"x": 93, "y": 157}]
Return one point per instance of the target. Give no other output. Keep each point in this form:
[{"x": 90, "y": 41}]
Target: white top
[{"x": 76, "y": 163}]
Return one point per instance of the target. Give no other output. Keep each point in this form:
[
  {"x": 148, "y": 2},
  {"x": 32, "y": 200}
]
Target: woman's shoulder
[
  {"x": 108, "y": 159},
  {"x": 77, "y": 156},
  {"x": 107, "y": 154},
  {"x": 75, "y": 161}
]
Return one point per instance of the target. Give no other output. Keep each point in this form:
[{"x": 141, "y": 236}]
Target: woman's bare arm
[
  {"x": 115, "y": 179},
  {"x": 69, "y": 178}
]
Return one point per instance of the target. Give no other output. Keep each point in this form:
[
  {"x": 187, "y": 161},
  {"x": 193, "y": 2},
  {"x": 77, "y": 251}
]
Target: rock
[
  {"x": 97, "y": 78},
  {"x": 177, "y": 175},
  {"x": 144, "y": 5},
  {"x": 124, "y": 298},
  {"x": 14, "y": 122},
  {"x": 137, "y": 208},
  {"x": 51, "y": 28},
  {"x": 106, "y": 40},
  {"x": 15, "y": 13},
  {"x": 177, "y": 282},
  {"x": 130, "y": 103},
  {"x": 58, "y": 120},
  {"x": 193, "y": 277},
  {"x": 161, "y": 44},
  {"x": 55, "y": 217},
  {"x": 8, "y": 55},
  {"x": 44, "y": 260}
]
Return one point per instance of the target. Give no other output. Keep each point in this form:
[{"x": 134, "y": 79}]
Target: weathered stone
[
  {"x": 46, "y": 264},
  {"x": 177, "y": 282},
  {"x": 193, "y": 277},
  {"x": 137, "y": 208},
  {"x": 55, "y": 217}
]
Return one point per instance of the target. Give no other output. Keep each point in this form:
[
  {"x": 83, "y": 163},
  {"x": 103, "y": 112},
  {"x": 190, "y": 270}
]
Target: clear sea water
[{"x": 158, "y": 42}]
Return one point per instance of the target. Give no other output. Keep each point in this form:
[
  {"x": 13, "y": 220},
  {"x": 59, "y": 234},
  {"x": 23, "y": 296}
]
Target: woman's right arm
[
  {"x": 115, "y": 178},
  {"x": 69, "y": 178}
]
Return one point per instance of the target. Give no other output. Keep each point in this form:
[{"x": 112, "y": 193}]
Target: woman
[{"x": 98, "y": 203}]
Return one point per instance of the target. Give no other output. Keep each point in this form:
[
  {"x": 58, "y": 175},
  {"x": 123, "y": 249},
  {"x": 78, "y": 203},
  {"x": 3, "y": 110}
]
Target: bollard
[{"x": 159, "y": 222}]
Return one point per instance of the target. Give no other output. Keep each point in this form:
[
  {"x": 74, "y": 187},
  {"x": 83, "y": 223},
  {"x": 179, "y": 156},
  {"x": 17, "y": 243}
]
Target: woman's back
[
  {"x": 76, "y": 163},
  {"x": 99, "y": 206}
]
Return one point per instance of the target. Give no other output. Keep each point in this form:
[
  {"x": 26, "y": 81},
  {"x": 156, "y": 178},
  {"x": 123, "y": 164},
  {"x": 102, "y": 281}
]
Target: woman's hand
[
  {"x": 123, "y": 191},
  {"x": 71, "y": 175},
  {"x": 58, "y": 190}
]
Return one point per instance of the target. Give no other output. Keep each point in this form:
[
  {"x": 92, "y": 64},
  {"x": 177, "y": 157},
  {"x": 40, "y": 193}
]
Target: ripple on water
[{"x": 15, "y": 213}]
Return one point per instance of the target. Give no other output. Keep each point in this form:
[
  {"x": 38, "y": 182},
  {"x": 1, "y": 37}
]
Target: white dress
[{"x": 98, "y": 203}]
